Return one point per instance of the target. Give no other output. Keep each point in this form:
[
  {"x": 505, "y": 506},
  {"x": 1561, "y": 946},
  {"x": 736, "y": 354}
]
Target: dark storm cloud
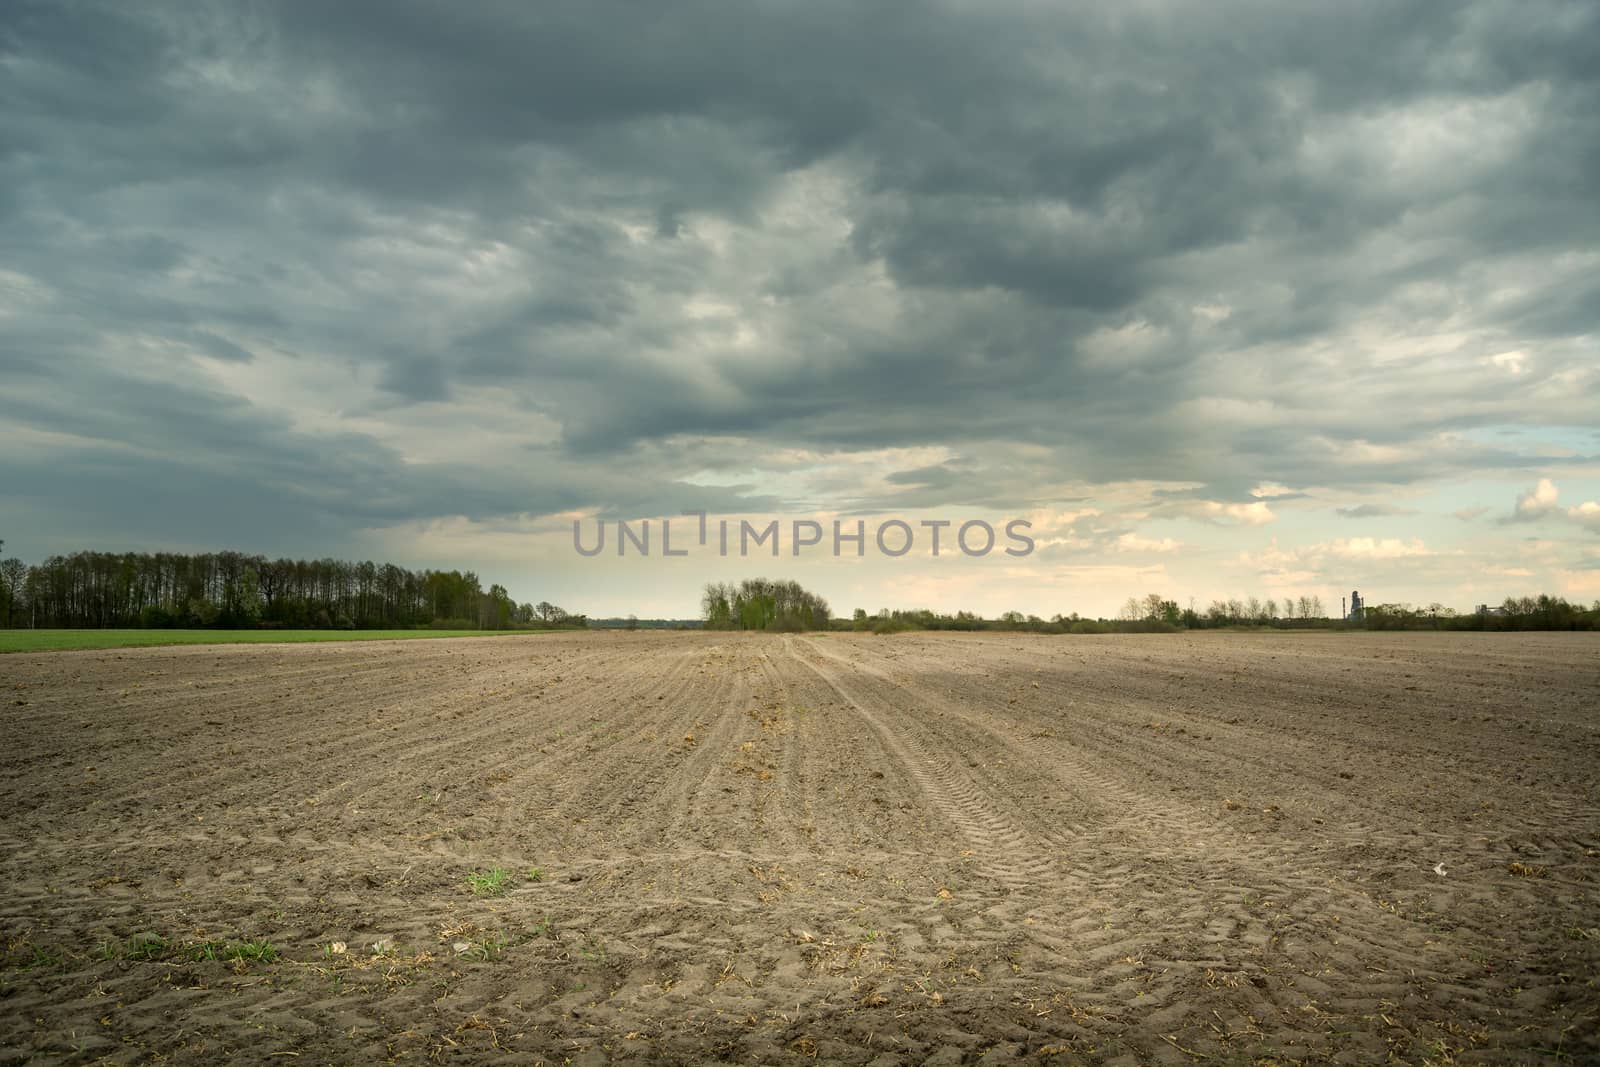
[{"x": 1199, "y": 243}]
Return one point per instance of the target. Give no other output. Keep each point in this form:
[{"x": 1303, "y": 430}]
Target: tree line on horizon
[
  {"x": 1155, "y": 613},
  {"x": 761, "y": 604},
  {"x": 1543, "y": 612},
  {"x": 231, "y": 590}
]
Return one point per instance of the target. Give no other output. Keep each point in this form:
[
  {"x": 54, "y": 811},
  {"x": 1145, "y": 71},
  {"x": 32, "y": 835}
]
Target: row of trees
[
  {"x": 1152, "y": 613},
  {"x": 894, "y": 621},
  {"x": 231, "y": 590},
  {"x": 1155, "y": 613},
  {"x": 1231, "y": 612},
  {"x": 1542, "y": 612},
  {"x": 1516, "y": 613},
  {"x": 760, "y": 604}
]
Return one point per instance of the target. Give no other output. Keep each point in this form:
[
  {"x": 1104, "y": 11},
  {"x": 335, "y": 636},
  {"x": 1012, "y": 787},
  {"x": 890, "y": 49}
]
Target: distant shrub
[
  {"x": 155, "y": 618},
  {"x": 201, "y": 612}
]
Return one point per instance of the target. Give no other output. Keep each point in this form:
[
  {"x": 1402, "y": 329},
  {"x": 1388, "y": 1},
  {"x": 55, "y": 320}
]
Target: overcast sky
[{"x": 1226, "y": 298}]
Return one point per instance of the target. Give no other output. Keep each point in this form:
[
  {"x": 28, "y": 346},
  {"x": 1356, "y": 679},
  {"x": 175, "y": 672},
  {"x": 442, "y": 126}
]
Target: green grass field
[{"x": 66, "y": 640}]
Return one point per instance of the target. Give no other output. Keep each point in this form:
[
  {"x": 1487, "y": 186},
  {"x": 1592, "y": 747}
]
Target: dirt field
[{"x": 940, "y": 848}]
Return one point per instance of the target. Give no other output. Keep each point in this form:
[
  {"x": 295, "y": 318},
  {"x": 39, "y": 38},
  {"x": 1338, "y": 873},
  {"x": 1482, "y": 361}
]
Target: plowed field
[{"x": 759, "y": 848}]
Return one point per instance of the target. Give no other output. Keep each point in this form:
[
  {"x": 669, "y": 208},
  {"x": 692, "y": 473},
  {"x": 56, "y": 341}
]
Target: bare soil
[{"x": 932, "y": 848}]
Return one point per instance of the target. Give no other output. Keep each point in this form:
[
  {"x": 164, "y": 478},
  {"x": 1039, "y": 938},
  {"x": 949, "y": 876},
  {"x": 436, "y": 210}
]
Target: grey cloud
[
  {"x": 1069, "y": 245},
  {"x": 941, "y": 476}
]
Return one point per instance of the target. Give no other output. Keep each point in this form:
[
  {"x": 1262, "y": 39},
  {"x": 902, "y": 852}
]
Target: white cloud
[
  {"x": 1049, "y": 521},
  {"x": 1515, "y": 362},
  {"x": 1543, "y": 499},
  {"x": 1254, "y": 514},
  {"x": 1132, "y": 542},
  {"x": 1268, "y": 490},
  {"x": 1538, "y": 500},
  {"x": 1375, "y": 548}
]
